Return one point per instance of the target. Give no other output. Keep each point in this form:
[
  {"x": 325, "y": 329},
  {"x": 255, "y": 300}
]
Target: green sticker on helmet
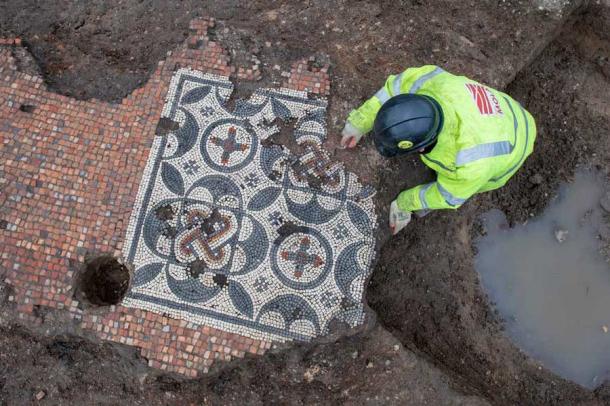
[{"x": 405, "y": 144}]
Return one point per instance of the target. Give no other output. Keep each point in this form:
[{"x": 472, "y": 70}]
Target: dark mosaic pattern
[{"x": 240, "y": 234}]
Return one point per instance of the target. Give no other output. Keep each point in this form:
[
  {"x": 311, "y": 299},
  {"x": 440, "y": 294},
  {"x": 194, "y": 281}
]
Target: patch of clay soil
[{"x": 425, "y": 289}]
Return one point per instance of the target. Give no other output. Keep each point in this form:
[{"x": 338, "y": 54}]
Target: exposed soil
[
  {"x": 424, "y": 290},
  {"x": 440, "y": 306},
  {"x": 567, "y": 90},
  {"x": 106, "y": 49},
  {"x": 366, "y": 369},
  {"x": 66, "y": 370},
  {"x": 103, "y": 281}
]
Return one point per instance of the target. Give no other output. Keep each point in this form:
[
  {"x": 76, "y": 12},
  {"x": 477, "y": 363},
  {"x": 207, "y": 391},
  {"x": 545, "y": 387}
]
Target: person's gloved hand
[
  {"x": 398, "y": 218},
  {"x": 350, "y": 136}
]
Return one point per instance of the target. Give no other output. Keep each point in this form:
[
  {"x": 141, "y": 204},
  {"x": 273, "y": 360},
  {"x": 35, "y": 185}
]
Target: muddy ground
[
  {"x": 440, "y": 306},
  {"x": 366, "y": 369},
  {"x": 424, "y": 290}
]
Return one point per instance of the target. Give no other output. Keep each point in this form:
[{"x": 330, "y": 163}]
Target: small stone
[
  {"x": 369, "y": 365},
  {"x": 605, "y": 329},
  {"x": 142, "y": 378},
  {"x": 396, "y": 347},
  {"x": 536, "y": 179},
  {"x": 271, "y": 15},
  {"x": 561, "y": 235},
  {"x": 354, "y": 354},
  {"x": 311, "y": 372},
  {"x": 40, "y": 395},
  {"x": 605, "y": 202}
]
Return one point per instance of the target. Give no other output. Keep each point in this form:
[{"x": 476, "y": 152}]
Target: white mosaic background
[{"x": 232, "y": 231}]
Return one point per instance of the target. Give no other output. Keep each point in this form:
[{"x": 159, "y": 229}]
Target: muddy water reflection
[{"x": 554, "y": 296}]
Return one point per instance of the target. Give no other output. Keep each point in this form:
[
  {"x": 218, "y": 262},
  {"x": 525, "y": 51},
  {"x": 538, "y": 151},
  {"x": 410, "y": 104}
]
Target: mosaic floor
[
  {"x": 236, "y": 241},
  {"x": 236, "y": 232}
]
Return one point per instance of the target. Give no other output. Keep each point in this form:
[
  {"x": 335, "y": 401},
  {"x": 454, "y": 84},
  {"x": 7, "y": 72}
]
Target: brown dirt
[
  {"x": 105, "y": 50},
  {"x": 440, "y": 308},
  {"x": 424, "y": 290},
  {"x": 67, "y": 370},
  {"x": 103, "y": 281},
  {"x": 369, "y": 369}
]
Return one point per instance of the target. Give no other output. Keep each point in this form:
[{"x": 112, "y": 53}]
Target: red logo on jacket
[{"x": 486, "y": 101}]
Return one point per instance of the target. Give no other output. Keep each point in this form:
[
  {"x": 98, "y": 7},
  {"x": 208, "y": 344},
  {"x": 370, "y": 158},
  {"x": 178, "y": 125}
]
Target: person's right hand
[
  {"x": 398, "y": 218},
  {"x": 350, "y": 136}
]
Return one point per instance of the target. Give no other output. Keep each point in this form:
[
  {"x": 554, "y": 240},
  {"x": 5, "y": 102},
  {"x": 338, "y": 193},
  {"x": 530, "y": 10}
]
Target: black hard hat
[{"x": 407, "y": 123}]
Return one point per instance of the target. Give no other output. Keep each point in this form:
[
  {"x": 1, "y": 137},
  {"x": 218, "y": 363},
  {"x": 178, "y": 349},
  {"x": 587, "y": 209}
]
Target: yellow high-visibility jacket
[{"x": 486, "y": 136}]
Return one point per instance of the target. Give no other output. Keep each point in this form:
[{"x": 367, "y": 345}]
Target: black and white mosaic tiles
[{"x": 235, "y": 232}]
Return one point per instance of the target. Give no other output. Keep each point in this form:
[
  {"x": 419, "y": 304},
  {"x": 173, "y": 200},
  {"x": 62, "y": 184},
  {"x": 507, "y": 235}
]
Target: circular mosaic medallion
[
  {"x": 302, "y": 258},
  {"x": 228, "y": 146}
]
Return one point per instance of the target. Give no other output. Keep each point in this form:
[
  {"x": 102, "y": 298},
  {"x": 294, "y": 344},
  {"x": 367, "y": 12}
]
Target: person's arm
[
  {"x": 445, "y": 193},
  {"x": 363, "y": 117}
]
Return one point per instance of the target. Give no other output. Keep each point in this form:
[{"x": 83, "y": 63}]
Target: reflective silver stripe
[
  {"x": 422, "y": 195},
  {"x": 383, "y": 95},
  {"x": 396, "y": 84},
  {"x": 419, "y": 82},
  {"x": 449, "y": 198},
  {"x": 520, "y": 161},
  {"x": 482, "y": 151}
]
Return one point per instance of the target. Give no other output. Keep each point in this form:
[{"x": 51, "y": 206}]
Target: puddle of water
[{"x": 554, "y": 297}]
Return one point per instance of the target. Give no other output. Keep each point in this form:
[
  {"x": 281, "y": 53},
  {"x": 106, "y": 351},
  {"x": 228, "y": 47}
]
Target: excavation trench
[{"x": 425, "y": 289}]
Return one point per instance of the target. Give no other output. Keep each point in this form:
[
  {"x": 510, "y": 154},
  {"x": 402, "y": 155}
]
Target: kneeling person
[{"x": 474, "y": 137}]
